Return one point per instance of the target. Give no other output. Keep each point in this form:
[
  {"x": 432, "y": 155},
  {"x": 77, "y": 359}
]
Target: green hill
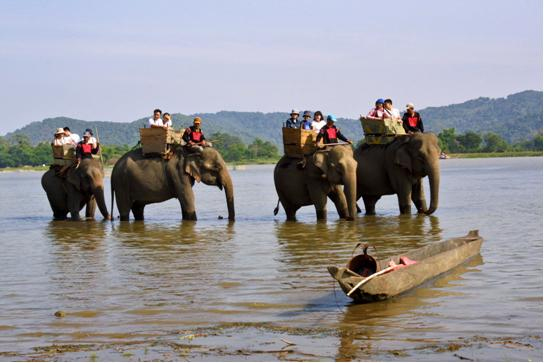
[{"x": 516, "y": 117}]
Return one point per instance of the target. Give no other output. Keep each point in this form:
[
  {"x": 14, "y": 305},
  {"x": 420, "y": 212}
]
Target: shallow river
[{"x": 209, "y": 290}]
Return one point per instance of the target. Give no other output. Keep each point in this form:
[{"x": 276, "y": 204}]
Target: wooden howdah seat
[
  {"x": 63, "y": 154},
  {"x": 298, "y": 142},
  {"x": 158, "y": 141},
  {"x": 381, "y": 131}
]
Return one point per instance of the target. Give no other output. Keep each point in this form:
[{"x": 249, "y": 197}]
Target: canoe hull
[{"x": 432, "y": 261}]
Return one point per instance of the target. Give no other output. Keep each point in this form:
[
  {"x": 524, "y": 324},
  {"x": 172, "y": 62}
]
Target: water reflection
[
  {"x": 405, "y": 317},
  {"x": 321, "y": 244},
  {"x": 78, "y": 258}
]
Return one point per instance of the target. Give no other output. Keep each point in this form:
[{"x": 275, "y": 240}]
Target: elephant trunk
[
  {"x": 350, "y": 189},
  {"x": 226, "y": 181},
  {"x": 98, "y": 193},
  {"x": 434, "y": 185}
]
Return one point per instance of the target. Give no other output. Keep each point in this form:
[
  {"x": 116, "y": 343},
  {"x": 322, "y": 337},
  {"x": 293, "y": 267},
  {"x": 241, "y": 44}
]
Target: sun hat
[
  {"x": 331, "y": 118},
  {"x": 60, "y": 130},
  {"x": 307, "y": 113},
  {"x": 197, "y": 120},
  {"x": 294, "y": 111},
  {"x": 410, "y": 105}
]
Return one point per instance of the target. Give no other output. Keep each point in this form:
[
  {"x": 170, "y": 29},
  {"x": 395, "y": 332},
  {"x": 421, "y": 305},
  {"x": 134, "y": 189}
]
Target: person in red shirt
[
  {"x": 194, "y": 137},
  {"x": 329, "y": 134},
  {"x": 411, "y": 120},
  {"x": 85, "y": 149}
]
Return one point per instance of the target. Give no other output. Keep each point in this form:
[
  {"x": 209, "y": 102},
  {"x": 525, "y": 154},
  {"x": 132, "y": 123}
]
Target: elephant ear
[
  {"x": 320, "y": 160},
  {"x": 192, "y": 165},
  {"x": 403, "y": 159},
  {"x": 73, "y": 178}
]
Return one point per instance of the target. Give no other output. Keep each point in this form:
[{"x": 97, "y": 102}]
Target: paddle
[{"x": 362, "y": 282}]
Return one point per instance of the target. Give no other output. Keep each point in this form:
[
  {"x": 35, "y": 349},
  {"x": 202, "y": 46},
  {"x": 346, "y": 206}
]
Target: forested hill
[{"x": 516, "y": 117}]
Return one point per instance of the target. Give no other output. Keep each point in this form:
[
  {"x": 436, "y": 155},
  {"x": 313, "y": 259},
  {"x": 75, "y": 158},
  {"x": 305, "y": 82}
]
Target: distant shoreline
[{"x": 235, "y": 164}]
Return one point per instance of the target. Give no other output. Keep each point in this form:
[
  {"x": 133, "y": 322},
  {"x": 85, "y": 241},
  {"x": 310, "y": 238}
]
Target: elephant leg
[
  {"x": 418, "y": 197},
  {"x": 404, "y": 196},
  {"x": 124, "y": 204},
  {"x": 290, "y": 211},
  {"x": 370, "y": 204},
  {"x": 90, "y": 209},
  {"x": 289, "y": 208},
  {"x": 339, "y": 199},
  {"x": 74, "y": 204},
  {"x": 319, "y": 200},
  {"x": 186, "y": 198},
  {"x": 138, "y": 211},
  {"x": 58, "y": 215}
]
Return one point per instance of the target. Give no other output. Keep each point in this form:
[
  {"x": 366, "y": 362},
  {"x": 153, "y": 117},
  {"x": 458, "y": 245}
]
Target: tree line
[
  {"x": 18, "y": 150},
  {"x": 490, "y": 142}
]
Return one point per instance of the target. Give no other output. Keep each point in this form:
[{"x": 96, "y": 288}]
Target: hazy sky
[{"x": 117, "y": 60}]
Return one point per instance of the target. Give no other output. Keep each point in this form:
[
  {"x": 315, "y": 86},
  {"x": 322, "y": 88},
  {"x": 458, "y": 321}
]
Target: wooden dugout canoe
[{"x": 432, "y": 260}]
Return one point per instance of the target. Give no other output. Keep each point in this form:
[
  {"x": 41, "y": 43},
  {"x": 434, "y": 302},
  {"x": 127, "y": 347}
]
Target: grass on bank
[{"x": 504, "y": 154}]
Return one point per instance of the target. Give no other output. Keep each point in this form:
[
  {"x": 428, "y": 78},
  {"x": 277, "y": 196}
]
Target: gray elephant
[
  {"x": 137, "y": 180},
  {"x": 397, "y": 168},
  {"x": 323, "y": 176},
  {"x": 81, "y": 186}
]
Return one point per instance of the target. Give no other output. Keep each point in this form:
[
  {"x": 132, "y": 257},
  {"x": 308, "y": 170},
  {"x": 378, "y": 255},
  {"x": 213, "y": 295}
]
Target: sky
[{"x": 118, "y": 60}]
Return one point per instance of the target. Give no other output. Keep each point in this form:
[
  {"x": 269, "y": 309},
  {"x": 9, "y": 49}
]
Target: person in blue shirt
[
  {"x": 293, "y": 122},
  {"x": 306, "y": 121}
]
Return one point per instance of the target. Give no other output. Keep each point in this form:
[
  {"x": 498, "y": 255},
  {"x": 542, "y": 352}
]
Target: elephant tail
[
  {"x": 112, "y": 198},
  {"x": 277, "y": 209}
]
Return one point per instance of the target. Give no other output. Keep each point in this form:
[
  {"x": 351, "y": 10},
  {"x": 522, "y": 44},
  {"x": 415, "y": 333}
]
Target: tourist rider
[
  {"x": 318, "y": 121},
  {"x": 60, "y": 138},
  {"x": 411, "y": 120},
  {"x": 71, "y": 138},
  {"x": 378, "y": 111},
  {"x": 92, "y": 139},
  {"x": 389, "y": 111},
  {"x": 156, "y": 120},
  {"x": 293, "y": 122},
  {"x": 85, "y": 148},
  {"x": 329, "y": 133},
  {"x": 166, "y": 120},
  {"x": 306, "y": 121},
  {"x": 193, "y": 136}
]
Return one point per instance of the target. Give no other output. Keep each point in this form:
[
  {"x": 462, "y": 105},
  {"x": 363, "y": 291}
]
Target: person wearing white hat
[
  {"x": 293, "y": 122},
  {"x": 59, "y": 139},
  {"x": 85, "y": 149},
  {"x": 411, "y": 120}
]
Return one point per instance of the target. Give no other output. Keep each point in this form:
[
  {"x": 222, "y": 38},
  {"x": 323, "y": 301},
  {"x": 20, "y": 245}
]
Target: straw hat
[{"x": 60, "y": 130}]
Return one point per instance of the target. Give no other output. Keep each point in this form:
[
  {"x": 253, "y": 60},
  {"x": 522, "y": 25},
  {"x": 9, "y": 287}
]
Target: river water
[{"x": 164, "y": 289}]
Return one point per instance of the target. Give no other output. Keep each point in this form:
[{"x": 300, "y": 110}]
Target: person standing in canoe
[{"x": 329, "y": 134}]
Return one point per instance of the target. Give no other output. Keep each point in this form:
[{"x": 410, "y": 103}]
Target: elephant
[
  {"x": 324, "y": 173},
  {"x": 137, "y": 180},
  {"x": 397, "y": 168},
  {"x": 81, "y": 186}
]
